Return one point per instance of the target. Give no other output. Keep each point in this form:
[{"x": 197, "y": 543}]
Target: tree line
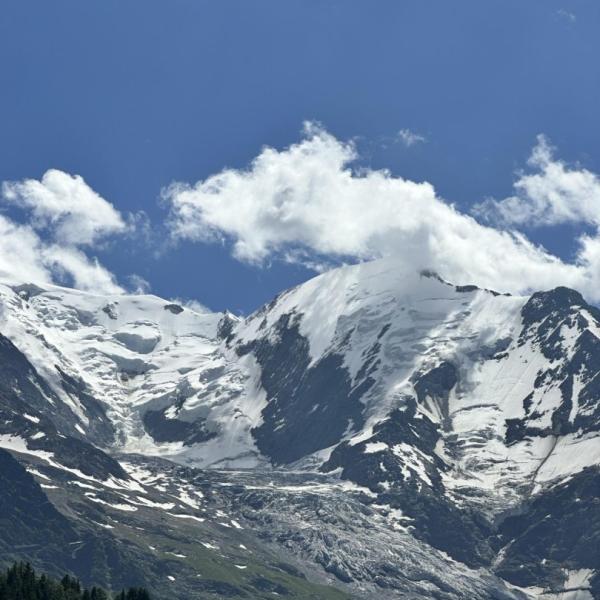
[{"x": 21, "y": 582}]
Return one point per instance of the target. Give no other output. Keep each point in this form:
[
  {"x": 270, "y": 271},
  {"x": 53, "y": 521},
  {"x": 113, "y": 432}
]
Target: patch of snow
[
  {"x": 192, "y": 517},
  {"x": 209, "y": 546},
  {"x": 145, "y": 502},
  {"x": 118, "y": 506},
  {"x": 373, "y": 447},
  {"x": 37, "y": 473},
  {"x": 185, "y": 497}
]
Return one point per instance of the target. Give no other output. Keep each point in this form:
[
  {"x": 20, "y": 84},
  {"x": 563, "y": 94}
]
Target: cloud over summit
[
  {"x": 310, "y": 200},
  {"x": 312, "y": 203}
]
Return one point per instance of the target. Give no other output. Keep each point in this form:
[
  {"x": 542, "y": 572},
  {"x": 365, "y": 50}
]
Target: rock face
[
  {"x": 311, "y": 406},
  {"x": 365, "y": 415},
  {"x": 28, "y": 517},
  {"x": 568, "y": 512}
]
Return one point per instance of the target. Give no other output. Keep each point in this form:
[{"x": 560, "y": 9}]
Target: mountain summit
[{"x": 372, "y": 426}]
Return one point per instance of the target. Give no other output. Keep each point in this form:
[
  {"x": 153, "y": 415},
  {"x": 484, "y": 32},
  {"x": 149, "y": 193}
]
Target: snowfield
[{"x": 426, "y": 400}]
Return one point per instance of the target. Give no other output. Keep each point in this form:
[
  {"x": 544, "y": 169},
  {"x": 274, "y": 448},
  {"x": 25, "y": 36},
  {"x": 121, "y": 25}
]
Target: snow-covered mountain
[{"x": 458, "y": 424}]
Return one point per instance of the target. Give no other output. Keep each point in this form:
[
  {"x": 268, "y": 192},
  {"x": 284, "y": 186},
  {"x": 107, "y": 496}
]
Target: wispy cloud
[
  {"x": 410, "y": 138},
  {"x": 566, "y": 15},
  {"x": 138, "y": 285}
]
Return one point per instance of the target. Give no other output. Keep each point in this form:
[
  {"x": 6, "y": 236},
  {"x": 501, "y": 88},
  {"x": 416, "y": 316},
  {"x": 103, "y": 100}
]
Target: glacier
[{"x": 376, "y": 426}]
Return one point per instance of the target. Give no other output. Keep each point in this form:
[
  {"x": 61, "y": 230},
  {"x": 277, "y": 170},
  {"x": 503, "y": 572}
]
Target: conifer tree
[{"x": 20, "y": 582}]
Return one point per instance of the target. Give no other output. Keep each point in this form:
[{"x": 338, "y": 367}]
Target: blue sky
[{"x": 135, "y": 95}]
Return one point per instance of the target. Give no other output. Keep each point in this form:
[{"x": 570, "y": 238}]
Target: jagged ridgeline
[
  {"x": 371, "y": 433},
  {"x": 21, "y": 582}
]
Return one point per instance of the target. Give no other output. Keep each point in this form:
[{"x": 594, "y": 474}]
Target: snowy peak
[
  {"x": 566, "y": 331},
  {"x": 498, "y": 376},
  {"x": 443, "y": 408},
  {"x": 127, "y": 354},
  {"x": 375, "y": 289},
  {"x": 353, "y": 342},
  {"x": 326, "y": 363}
]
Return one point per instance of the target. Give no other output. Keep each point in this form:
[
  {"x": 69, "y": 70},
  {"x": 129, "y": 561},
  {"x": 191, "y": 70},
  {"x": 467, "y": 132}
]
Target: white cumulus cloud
[
  {"x": 551, "y": 194},
  {"x": 25, "y": 257},
  {"x": 66, "y": 206},
  {"x": 61, "y": 215},
  {"x": 306, "y": 202}
]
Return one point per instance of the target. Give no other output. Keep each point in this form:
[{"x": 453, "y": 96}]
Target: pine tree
[
  {"x": 20, "y": 582},
  {"x": 98, "y": 594}
]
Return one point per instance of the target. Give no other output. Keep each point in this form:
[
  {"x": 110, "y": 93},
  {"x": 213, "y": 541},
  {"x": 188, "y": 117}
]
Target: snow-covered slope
[
  {"x": 325, "y": 363},
  {"x": 452, "y": 408},
  {"x": 155, "y": 368},
  {"x": 488, "y": 369}
]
